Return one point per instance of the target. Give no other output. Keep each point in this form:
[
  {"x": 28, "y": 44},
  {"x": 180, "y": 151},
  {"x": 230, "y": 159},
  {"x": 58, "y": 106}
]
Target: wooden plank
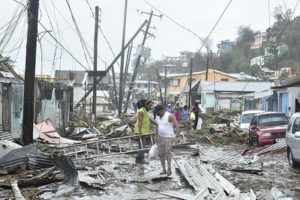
[
  {"x": 17, "y": 193},
  {"x": 202, "y": 194}
]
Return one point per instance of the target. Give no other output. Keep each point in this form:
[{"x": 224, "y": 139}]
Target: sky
[{"x": 197, "y": 15}]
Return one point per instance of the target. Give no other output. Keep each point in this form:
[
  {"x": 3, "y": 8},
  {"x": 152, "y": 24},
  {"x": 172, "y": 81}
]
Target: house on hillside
[
  {"x": 258, "y": 60},
  {"x": 184, "y": 56},
  {"x": 227, "y": 95},
  {"x": 259, "y": 39},
  {"x": 225, "y": 46}
]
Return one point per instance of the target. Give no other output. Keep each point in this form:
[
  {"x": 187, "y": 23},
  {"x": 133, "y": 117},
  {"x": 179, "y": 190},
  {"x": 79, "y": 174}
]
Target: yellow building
[{"x": 179, "y": 82}]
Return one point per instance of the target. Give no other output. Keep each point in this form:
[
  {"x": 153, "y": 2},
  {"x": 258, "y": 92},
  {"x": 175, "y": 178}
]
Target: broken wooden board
[{"x": 17, "y": 193}]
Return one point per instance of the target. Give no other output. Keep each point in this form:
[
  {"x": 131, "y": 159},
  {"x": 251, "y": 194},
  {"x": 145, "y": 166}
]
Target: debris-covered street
[{"x": 223, "y": 160}]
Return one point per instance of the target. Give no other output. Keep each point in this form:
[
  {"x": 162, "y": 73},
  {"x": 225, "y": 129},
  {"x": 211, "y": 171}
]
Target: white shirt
[{"x": 165, "y": 128}]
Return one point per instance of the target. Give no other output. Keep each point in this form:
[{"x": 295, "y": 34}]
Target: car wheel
[
  {"x": 250, "y": 140},
  {"x": 292, "y": 162},
  {"x": 255, "y": 142}
]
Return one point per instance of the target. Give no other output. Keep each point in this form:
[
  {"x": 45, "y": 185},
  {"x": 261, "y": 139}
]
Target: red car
[{"x": 266, "y": 127}]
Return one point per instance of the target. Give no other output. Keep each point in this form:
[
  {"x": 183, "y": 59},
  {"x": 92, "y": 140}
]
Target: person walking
[
  {"x": 142, "y": 126},
  {"x": 196, "y": 109},
  {"x": 185, "y": 114},
  {"x": 169, "y": 108},
  {"x": 178, "y": 112},
  {"x": 165, "y": 136}
]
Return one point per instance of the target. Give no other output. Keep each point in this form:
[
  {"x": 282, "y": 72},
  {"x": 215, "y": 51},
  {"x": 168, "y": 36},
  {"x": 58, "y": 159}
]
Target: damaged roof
[
  {"x": 7, "y": 70},
  {"x": 224, "y": 86},
  {"x": 63, "y": 76}
]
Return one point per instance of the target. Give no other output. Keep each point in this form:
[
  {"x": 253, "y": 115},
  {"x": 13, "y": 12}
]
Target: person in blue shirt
[{"x": 185, "y": 114}]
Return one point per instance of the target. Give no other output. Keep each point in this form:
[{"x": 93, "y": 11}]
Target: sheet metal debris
[
  {"x": 67, "y": 167},
  {"x": 46, "y": 132},
  {"x": 6, "y": 146},
  {"x": 278, "y": 195},
  {"x": 5, "y": 135},
  {"x": 277, "y": 147},
  {"x": 201, "y": 177},
  {"x": 92, "y": 179}
]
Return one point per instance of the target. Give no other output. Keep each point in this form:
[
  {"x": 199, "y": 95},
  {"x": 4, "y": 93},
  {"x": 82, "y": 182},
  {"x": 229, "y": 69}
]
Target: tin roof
[{"x": 245, "y": 87}]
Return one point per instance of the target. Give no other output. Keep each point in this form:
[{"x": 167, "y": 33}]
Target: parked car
[
  {"x": 246, "y": 118},
  {"x": 293, "y": 141},
  {"x": 266, "y": 128}
]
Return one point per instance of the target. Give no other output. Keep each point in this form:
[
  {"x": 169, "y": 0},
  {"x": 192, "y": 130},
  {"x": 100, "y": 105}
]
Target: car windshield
[
  {"x": 247, "y": 117},
  {"x": 272, "y": 120}
]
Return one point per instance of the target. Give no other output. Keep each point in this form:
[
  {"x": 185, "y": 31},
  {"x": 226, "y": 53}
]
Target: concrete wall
[
  {"x": 212, "y": 76},
  {"x": 287, "y": 98},
  {"x": 16, "y": 99},
  {"x": 208, "y": 101}
]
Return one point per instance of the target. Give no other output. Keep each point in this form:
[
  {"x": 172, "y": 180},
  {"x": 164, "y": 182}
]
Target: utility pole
[
  {"x": 28, "y": 107},
  {"x": 115, "y": 98},
  {"x": 127, "y": 67},
  {"x": 165, "y": 85},
  {"x": 207, "y": 64},
  {"x": 149, "y": 81},
  {"x": 95, "y": 64},
  {"x": 190, "y": 83},
  {"x": 159, "y": 85},
  {"x": 122, "y": 62},
  {"x": 138, "y": 61},
  {"x": 112, "y": 63}
]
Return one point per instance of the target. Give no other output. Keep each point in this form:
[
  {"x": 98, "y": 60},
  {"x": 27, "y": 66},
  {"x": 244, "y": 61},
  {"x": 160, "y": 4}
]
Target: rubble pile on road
[{"x": 220, "y": 127}]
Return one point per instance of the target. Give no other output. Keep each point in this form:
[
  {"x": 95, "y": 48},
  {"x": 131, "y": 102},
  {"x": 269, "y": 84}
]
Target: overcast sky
[{"x": 197, "y": 15}]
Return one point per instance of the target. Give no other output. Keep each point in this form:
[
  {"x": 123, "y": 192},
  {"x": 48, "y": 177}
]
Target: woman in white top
[{"x": 166, "y": 136}]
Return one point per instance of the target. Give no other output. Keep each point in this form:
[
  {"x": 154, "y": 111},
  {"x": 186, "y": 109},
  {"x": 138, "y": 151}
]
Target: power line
[
  {"x": 54, "y": 38},
  {"x": 208, "y": 36},
  {"x": 90, "y": 7},
  {"x": 83, "y": 43}
]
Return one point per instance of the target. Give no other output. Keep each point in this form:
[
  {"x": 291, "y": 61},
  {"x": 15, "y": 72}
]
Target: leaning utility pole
[
  {"x": 149, "y": 88},
  {"x": 112, "y": 63},
  {"x": 131, "y": 85},
  {"x": 127, "y": 67},
  {"x": 207, "y": 64},
  {"x": 165, "y": 85},
  {"x": 190, "y": 83},
  {"x": 28, "y": 107},
  {"x": 95, "y": 64},
  {"x": 122, "y": 62}
]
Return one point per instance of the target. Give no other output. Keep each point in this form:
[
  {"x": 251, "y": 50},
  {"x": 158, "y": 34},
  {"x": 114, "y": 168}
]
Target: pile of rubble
[{"x": 220, "y": 127}]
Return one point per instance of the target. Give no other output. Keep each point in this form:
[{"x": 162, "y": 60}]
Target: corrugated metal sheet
[
  {"x": 5, "y": 135},
  {"x": 201, "y": 177},
  {"x": 207, "y": 86}
]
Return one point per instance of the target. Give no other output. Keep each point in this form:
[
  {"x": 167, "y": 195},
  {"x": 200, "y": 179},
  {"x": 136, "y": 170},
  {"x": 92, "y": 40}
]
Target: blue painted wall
[{"x": 285, "y": 103}]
